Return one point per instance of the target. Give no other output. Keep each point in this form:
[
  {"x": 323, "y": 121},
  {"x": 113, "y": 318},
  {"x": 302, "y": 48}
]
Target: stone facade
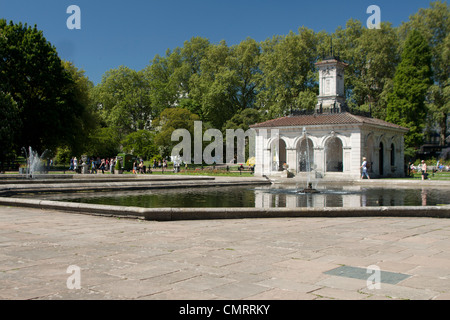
[{"x": 331, "y": 142}]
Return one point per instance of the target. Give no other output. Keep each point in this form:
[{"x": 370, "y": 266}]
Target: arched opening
[
  {"x": 305, "y": 155},
  {"x": 278, "y": 152},
  {"x": 392, "y": 155},
  {"x": 381, "y": 159},
  {"x": 334, "y": 155}
]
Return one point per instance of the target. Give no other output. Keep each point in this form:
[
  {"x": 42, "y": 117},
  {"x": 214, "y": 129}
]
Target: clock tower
[{"x": 331, "y": 97}]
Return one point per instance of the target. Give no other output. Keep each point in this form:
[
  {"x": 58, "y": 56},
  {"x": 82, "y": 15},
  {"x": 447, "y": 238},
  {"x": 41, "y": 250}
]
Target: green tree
[
  {"x": 372, "y": 55},
  {"x": 243, "y": 120},
  {"x": 193, "y": 106},
  {"x": 170, "y": 76},
  {"x": 164, "y": 84},
  {"x": 168, "y": 121},
  {"x": 288, "y": 67},
  {"x": 212, "y": 88},
  {"x": 124, "y": 101},
  {"x": 406, "y": 103},
  {"x": 345, "y": 44},
  {"x": 140, "y": 143},
  {"x": 104, "y": 142},
  {"x": 9, "y": 122},
  {"x": 33, "y": 75},
  {"x": 438, "y": 102},
  {"x": 380, "y": 57},
  {"x": 192, "y": 54},
  {"x": 228, "y": 82},
  {"x": 212, "y": 81},
  {"x": 434, "y": 24},
  {"x": 244, "y": 60},
  {"x": 89, "y": 119}
]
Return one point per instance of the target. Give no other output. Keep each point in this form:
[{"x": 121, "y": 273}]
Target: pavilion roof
[{"x": 325, "y": 119}]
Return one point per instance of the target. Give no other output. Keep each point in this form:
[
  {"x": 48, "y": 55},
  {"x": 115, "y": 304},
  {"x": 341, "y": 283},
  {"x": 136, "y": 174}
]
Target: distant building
[
  {"x": 436, "y": 146},
  {"x": 331, "y": 142}
]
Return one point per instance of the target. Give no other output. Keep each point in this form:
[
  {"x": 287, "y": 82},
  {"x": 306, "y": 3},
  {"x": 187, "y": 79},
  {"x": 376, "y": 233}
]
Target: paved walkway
[{"x": 270, "y": 259}]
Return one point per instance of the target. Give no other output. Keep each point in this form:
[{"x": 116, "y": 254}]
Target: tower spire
[
  {"x": 331, "y": 46},
  {"x": 331, "y": 54},
  {"x": 331, "y": 83}
]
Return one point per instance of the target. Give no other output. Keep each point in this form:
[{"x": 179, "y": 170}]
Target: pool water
[{"x": 266, "y": 197}]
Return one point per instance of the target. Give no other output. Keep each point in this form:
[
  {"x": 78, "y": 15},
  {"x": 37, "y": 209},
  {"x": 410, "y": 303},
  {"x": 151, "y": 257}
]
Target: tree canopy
[
  {"x": 34, "y": 77},
  {"x": 400, "y": 74},
  {"x": 406, "y": 103}
]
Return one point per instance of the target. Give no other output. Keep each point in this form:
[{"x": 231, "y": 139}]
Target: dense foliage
[
  {"x": 42, "y": 90},
  {"x": 406, "y": 102},
  {"x": 399, "y": 73}
]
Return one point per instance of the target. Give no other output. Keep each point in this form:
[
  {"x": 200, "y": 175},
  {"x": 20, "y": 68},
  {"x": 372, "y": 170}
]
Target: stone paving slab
[{"x": 243, "y": 259}]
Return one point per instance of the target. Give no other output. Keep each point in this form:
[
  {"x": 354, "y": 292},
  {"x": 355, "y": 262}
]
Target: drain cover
[{"x": 363, "y": 274}]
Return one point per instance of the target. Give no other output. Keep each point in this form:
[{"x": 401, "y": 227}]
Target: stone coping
[
  {"x": 172, "y": 214},
  {"x": 104, "y": 184},
  {"x": 44, "y": 178},
  {"x": 99, "y": 180}
]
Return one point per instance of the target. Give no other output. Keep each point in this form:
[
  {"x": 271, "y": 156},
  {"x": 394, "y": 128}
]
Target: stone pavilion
[{"x": 331, "y": 141}]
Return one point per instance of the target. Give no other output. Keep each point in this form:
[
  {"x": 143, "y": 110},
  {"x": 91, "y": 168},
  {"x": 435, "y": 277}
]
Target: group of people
[
  {"x": 422, "y": 168},
  {"x": 103, "y": 165},
  {"x": 159, "y": 164},
  {"x": 138, "y": 167},
  {"x": 95, "y": 164},
  {"x": 73, "y": 165}
]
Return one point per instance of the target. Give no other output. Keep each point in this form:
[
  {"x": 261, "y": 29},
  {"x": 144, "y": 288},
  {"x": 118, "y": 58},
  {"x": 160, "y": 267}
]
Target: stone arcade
[{"x": 331, "y": 142}]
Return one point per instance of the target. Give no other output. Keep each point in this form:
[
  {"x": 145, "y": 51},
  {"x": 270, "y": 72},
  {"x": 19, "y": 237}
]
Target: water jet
[{"x": 34, "y": 162}]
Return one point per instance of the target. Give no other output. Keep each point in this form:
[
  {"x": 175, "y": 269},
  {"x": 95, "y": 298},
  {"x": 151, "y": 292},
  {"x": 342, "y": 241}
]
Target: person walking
[
  {"x": 141, "y": 166},
  {"x": 112, "y": 164},
  {"x": 424, "y": 170},
  {"x": 364, "y": 169},
  {"x": 134, "y": 167},
  {"x": 93, "y": 167},
  {"x": 102, "y": 166}
]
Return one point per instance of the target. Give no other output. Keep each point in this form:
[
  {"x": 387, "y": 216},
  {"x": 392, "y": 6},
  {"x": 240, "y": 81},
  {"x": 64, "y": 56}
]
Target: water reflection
[
  {"x": 265, "y": 197},
  {"x": 424, "y": 197},
  {"x": 347, "y": 197}
]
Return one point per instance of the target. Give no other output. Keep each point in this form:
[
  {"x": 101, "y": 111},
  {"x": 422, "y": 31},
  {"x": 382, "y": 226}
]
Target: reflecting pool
[{"x": 265, "y": 197}]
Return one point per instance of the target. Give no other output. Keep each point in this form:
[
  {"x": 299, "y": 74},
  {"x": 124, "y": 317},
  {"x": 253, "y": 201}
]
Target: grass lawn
[
  {"x": 436, "y": 176},
  {"x": 194, "y": 170},
  {"x": 207, "y": 173},
  {"x": 197, "y": 170}
]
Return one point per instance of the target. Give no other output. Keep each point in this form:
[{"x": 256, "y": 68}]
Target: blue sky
[{"x": 132, "y": 32}]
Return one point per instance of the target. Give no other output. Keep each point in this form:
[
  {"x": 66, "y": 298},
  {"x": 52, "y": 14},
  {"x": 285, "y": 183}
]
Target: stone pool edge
[{"x": 174, "y": 214}]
